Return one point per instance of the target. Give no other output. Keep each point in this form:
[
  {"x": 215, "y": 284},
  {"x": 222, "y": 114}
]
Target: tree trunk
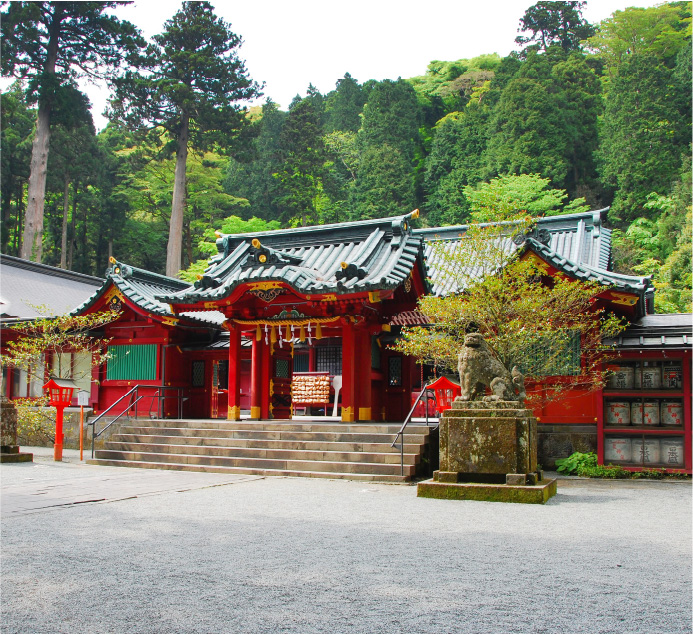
[
  {"x": 20, "y": 216},
  {"x": 84, "y": 248},
  {"x": 63, "y": 235},
  {"x": 6, "y": 214},
  {"x": 175, "y": 234},
  {"x": 32, "y": 247},
  {"x": 73, "y": 221}
]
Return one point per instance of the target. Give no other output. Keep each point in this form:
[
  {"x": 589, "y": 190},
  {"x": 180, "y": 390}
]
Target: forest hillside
[{"x": 582, "y": 117}]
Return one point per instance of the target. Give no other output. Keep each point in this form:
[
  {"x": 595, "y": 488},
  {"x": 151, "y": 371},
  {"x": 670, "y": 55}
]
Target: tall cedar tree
[
  {"x": 52, "y": 44},
  {"x": 191, "y": 82},
  {"x": 555, "y": 23}
]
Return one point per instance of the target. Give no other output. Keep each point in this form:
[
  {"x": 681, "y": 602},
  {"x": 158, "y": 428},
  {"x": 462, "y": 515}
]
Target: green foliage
[
  {"x": 575, "y": 462},
  {"x": 585, "y": 464},
  {"x": 603, "y": 471},
  {"x": 17, "y": 130},
  {"x": 455, "y": 160},
  {"x": 660, "y": 31},
  {"x": 507, "y": 197},
  {"x": 613, "y": 128},
  {"x": 188, "y": 89},
  {"x": 555, "y": 23},
  {"x": 35, "y": 419},
  {"x": 88, "y": 42},
  {"x": 384, "y": 186},
  {"x": 496, "y": 292},
  {"x": 454, "y": 82},
  {"x": 391, "y": 116},
  {"x": 57, "y": 336},
  {"x": 641, "y": 127},
  {"x": 344, "y": 106},
  {"x": 302, "y": 149}
]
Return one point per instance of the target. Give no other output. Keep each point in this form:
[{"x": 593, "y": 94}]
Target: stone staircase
[{"x": 357, "y": 451}]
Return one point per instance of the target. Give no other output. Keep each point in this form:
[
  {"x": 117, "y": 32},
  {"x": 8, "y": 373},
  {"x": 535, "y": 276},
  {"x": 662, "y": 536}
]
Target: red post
[
  {"x": 266, "y": 368},
  {"x": 363, "y": 375},
  {"x": 81, "y": 433},
  {"x": 234, "y": 413},
  {"x": 256, "y": 380},
  {"x": 58, "y": 445},
  {"x": 348, "y": 373}
]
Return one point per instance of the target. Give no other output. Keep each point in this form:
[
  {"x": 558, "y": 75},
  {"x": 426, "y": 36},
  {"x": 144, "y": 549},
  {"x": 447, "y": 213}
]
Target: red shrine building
[{"x": 300, "y": 321}]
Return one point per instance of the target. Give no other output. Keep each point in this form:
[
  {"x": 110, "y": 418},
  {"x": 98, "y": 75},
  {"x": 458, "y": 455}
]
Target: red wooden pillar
[
  {"x": 256, "y": 379},
  {"x": 265, "y": 377},
  {"x": 348, "y": 372},
  {"x": 363, "y": 374},
  {"x": 234, "y": 373}
]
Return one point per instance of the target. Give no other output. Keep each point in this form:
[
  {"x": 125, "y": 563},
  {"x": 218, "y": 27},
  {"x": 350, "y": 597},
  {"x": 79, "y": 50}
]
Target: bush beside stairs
[{"x": 357, "y": 451}]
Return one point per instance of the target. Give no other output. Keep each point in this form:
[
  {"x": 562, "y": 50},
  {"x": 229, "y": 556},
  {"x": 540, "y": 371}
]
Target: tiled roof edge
[
  {"x": 597, "y": 217},
  {"x": 623, "y": 281},
  {"x": 20, "y": 263}
]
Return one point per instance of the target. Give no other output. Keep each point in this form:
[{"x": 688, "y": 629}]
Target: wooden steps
[{"x": 355, "y": 451}]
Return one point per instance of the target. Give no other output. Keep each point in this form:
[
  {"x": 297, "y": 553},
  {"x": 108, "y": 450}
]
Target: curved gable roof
[{"x": 340, "y": 259}]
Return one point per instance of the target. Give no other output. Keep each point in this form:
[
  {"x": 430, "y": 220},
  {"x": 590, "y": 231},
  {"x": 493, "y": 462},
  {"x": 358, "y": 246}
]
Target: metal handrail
[
  {"x": 407, "y": 419},
  {"x": 135, "y": 397}
]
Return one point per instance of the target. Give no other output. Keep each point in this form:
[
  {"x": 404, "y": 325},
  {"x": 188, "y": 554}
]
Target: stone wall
[{"x": 559, "y": 441}]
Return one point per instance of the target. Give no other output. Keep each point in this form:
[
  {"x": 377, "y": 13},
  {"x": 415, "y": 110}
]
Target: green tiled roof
[
  {"x": 580, "y": 238},
  {"x": 619, "y": 281},
  {"x": 341, "y": 259},
  {"x": 142, "y": 288}
]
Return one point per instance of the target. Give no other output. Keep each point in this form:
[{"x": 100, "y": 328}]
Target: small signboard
[{"x": 83, "y": 398}]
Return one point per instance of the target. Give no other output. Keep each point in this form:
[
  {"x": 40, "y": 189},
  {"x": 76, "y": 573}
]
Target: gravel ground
[{"x": 176, "y": 552}]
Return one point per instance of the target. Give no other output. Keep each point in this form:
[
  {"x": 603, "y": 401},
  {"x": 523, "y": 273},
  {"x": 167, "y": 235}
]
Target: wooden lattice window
[
  {"x": 281, "y": 368},
  {"x": 548, "y": 359},
  {"x": 301, "y": 363},
  {"x": 328, "y": 359},
  {"x": 198, "y": 374},
  {"x": 132, "y": 361}
]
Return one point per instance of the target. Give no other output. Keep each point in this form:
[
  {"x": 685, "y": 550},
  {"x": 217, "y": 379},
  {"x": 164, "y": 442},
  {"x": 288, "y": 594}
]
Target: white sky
[{"x": 290, "y": 44}]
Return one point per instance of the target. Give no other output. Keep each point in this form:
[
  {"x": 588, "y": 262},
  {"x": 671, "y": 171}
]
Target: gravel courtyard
[{"x": 88, "y": 549}]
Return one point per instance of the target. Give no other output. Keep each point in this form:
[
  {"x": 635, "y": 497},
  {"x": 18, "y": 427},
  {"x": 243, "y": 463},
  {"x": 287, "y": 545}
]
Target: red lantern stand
[
  {"x": 446, "y": 391},
  {"x": 60, "y": 395}
]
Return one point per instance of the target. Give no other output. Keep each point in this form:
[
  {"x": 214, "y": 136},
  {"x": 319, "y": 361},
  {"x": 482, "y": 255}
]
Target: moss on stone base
[{"x": 538, "y": 494}]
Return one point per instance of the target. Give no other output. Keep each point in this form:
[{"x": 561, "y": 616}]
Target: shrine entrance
[{"x": 286, "y": 290}]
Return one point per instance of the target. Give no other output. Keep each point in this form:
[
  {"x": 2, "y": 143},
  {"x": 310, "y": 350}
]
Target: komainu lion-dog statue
[{"x": 479, "y": 368}]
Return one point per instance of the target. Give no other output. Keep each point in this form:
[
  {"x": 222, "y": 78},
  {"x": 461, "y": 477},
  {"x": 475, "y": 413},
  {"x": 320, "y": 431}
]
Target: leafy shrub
[
  {"x": 575, "y": 462},
  {"x": 603, "y": 471}
]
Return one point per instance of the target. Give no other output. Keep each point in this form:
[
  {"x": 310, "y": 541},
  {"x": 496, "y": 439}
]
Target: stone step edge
[
  {"x": 385, "y": 478},
  {"x": 162, "y": 431},
  {"x": 137, "y": 447},
  {"x": 117, "y": 438},
  {"x": 396, "y": 425},
  {"x": 364, "y": 464}
]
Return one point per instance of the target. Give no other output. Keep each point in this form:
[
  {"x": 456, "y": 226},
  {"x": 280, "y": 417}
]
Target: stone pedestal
[
  {"x": 9, "y": 450},
  {"x": 488, "y": 451}
]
